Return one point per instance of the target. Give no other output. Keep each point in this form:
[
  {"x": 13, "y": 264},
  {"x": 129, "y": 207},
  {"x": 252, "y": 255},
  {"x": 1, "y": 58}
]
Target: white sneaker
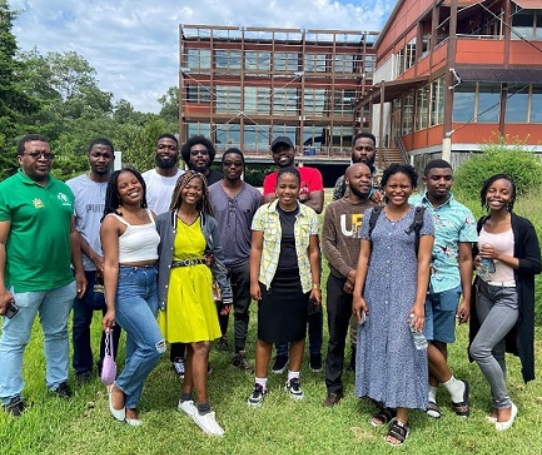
[
  {"x": 178, "y": 367},
  {"x": 208, "y": 424},
  {"x": 188, "y": 407}
]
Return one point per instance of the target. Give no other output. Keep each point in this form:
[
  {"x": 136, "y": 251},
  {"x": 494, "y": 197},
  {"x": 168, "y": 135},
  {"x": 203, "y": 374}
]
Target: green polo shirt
[{"x": 38, "y": 253}]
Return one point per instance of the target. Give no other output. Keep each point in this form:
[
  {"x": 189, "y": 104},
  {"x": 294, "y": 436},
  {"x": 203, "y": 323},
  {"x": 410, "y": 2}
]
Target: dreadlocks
[
  {"x": 112, "y": 197},
  {"x": 203, "y": 204}
]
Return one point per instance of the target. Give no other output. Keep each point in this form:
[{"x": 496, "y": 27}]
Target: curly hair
[
  {"x": 112, "y": 197},
  {"x": 493, "y": 179},
  {"x": 204, "y": 204},
  {"x": 185, "y": 149},
  {"x": 396, "y": 168}
]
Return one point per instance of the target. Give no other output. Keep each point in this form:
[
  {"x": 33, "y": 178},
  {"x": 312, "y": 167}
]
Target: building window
[
  {"x": 197, "y": 58},
  {"x": 464, "y": 102},
  {"x": 524, "y": 23},
  {"x": 285, "y": 61},
  {"x": 422, "y": 108},
  {"x": 284, "y": 130},
  {"x": 228, "y": 59},
  {"x": 314, "y": 102},
  {"x": 517, "y": 104},
  {"x": 257, "y": 100},
  {"x": 198, "y": 128},
  {"x": 477, "y": 101},
  {"x": 343, "y": 102},
  {"x": 227, "y": 135},
  {"x": 437, "y": 101},
  {"x": 198, "y": 94},
  {"x": 228, "y": 99},
  {"x": 285, "y": 102},
  {"x": 536, "y": 104},
  {"x": 369, "y": 65},
  {"x": 342, "y": 136},
  {"x": 344, "y": 63},
  {"x": 257, "y": 61},
  {"x": 408, "y": 114},
  {"x": 410, "y": 54},
  {"x": 489, "y": 99},
  {"x": 315, "y": 63},
  {"x": 256, "y": 137},
  {"x": 313, "y": 137}
]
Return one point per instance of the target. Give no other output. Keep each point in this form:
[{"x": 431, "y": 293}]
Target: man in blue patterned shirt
[{"x": 450, "y": 284}]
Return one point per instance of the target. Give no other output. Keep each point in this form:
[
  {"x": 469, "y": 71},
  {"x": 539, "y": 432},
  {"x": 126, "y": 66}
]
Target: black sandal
[
  {"x": 383, "y": 417},
  {"x": 398, "y": 431},
  {"x": 462, "y": 409},
  {"x": 433, "y": 410}
]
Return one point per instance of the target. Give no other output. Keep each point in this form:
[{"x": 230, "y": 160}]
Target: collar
[
  {"x": 28, "y": 181},
  {"x": 273, "y": 206},
  {"x": 425, "y": 199}
]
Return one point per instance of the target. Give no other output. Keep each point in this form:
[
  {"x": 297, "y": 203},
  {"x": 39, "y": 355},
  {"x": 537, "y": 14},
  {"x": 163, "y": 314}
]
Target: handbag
[{"x": 109, "y": 367}]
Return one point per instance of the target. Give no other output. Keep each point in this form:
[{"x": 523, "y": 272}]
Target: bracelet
[{"x": 316, "y": 286}]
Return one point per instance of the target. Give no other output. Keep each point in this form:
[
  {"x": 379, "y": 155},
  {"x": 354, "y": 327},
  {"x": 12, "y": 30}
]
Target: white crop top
[
  {"x": 139, "y": 242},
  {"x": 503, "y": 242}
]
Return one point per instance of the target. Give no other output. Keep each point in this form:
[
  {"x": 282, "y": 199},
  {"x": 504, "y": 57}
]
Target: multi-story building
[
  {"x": 243, "y": 86},
  {"x": 452, "y": 74}
]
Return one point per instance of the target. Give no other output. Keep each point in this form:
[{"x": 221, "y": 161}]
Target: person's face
[
  {"x": 499, "y": 194},
  {"x": 166, "y": 153},
  {"x": 364, "y": 151},
  {"x": 37, "y": 160},
  {"x": 101, "y": 159},
  {"x": 200, "y": 160},
  {"x": 398, "y": 189},
  {"x": 192, "y": 193},
  {"x": 359, "y": 180},
  {"x": 232, "y": 167},
  {"x": 287, "y": 190},
  {"x": 283, "y": 155},
  {"x": 439, "y": 182},
  {"x": 129, "y": 188}
]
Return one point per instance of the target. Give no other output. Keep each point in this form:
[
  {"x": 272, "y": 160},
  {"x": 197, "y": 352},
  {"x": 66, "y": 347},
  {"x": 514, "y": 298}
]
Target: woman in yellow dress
[{"x": 190, "y": 259}]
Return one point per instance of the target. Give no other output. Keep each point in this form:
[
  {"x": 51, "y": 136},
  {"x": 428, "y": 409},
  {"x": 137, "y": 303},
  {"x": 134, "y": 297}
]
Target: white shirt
[{"x": 159, "y": 190}]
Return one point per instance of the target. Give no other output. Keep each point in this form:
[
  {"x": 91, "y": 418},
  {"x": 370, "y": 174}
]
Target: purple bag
[{"x": 109, "y": 367}]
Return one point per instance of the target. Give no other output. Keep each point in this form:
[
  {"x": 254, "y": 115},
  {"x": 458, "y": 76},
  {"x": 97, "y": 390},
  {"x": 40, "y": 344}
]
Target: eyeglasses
[
  {"x": 232, "y": 163},
  {"x": 168, "y": 147},
  {"x": 199, "y": 152},
  {"x": 37, "y": 155}
]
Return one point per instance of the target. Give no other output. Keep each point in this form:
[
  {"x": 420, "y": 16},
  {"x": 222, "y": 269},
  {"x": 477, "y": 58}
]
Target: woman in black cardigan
[{"x": 507, "y": 259}]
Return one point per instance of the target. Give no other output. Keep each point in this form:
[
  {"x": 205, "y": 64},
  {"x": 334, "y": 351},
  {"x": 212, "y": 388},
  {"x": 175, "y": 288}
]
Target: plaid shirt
[{"x": 267, "y": 220}]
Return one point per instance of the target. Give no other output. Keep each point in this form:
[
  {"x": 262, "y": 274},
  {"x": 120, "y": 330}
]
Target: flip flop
[
  {"x": 433, "y": 410},
  {"x": 462, "y": 409}
]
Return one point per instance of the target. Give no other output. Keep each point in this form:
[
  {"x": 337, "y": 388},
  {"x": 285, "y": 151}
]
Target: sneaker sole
[
  {"x": 255, "y": 405},
  {"x": 279, "y": 371},
  {"x": 316, "y": 370},
  {"x": 210, "y": 432},
  {"x": 294, "y": 396}
]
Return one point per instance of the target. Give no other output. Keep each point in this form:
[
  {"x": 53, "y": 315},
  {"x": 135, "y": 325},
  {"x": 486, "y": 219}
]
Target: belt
[
  {"x": 188, "y": 262},
  {"x": 502, "y": 284}
]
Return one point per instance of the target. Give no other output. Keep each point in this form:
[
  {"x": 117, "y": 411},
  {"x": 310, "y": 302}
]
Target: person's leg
[
  {"x": 54, "y": 314},
  {"x": 263, "y": 355},
  {"x": 339, "y": 310},
  {"x": 82, "y": 319},
  {"x": 15, "y": 336},
  {"x": 176, "y": 351},
  {"x": 200, "y": 359},
  {"x": 316, "y": 333},
  {"x": 240, "y": 283},
  {"x": 296, "y": 354},
  {"x": 498, "y": 312},
  {"x": 188, "y": 380},
  {"x": 353, "y": 342}
]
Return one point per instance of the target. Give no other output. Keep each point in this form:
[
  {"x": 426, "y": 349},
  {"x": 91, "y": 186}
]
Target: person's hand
[
  {"x": 5, "y": 299},
  {"x": 348, "y": 287},
  {"x": 377, "y": 197},
  {"x": 316, "y": 294},
  {"x": 488, "y": 252},
  {"x": 98, "y": 262},
  {"x": 303, "y": 197},
  {"x": 255, "y": 291},
  {"x": 477, "y": 261},
  {"x": 108, "y": 321},
  {"x": 417, "y": 321},
  {"x": 463, "y": 312},
  {"x": 359, "y": 308},
  {"x": 81, "y": 284},
  {"x": 225, "y": 310}
]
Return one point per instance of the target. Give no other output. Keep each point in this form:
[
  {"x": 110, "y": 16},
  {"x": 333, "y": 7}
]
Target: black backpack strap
[
  {"x": 417, "y": 224},
  {"x": 375, "y": 213}
]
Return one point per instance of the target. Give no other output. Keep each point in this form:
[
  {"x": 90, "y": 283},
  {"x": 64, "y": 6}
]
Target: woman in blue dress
[{"x": 389, "y": 296}]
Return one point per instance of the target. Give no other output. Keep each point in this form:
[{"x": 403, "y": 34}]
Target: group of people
[{"x": 167, "y": 255}]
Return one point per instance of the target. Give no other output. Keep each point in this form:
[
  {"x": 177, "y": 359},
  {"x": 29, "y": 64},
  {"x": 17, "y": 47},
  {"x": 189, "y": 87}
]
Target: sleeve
[
  {"x": 5, "y": 209},
  {"x": 530, "y": 263},
  {"x": 365, "y": 225},
  {"x": 338, "y": 189},
  {"x": 314, "y": 226},
  {"x": 316, "y": 181},
  {"x": 257, "y": 221},
  {"x": 468, "y": 230},
  {"x": 218, "y": 269},
  {"x": 428, "y": 227},
  {"x": 269, "y": 183}
]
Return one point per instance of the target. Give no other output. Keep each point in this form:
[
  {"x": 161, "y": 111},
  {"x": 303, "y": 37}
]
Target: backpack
[{"x": 415, "y": 226}]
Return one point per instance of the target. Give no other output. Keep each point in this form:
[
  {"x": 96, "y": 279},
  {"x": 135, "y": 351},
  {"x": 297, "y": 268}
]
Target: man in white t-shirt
[
  {"x": 89, "y": 199},
  {"x": 161, "y": 180}
]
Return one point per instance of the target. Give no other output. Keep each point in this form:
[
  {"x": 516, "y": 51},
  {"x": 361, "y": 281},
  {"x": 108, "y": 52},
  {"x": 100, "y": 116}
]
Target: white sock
[
  {"x": 292, "y": 375},
  {"x": 456, "y": 389},
  {"x": 433, "y": 393},
  {"x": 261, "y": 381}
]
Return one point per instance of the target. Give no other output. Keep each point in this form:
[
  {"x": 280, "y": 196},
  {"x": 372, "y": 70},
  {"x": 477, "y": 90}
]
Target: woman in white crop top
[
  {"x": 507, "y": 258},
  {"x": 130, "y": 245}
]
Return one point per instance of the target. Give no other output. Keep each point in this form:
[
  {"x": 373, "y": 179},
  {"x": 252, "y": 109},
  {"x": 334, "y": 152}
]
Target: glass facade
[
  {"x": 257, "y": 61},
  {"x": 198, "y": 93},
  {"x": 314, "y": 102},
  {"x": 464, "y": 102},
  {"x": 257, "y": 100},
  {"x": 315, "y": 63},
  {"x": 517, "y": 103},
  {"x": 489, "y": 97},
  {"x": 285, "y": 102},
  {"x": 197, "y": 58},
  {"x": 227, "y": 135},
  {"x": 286, "y": 61},
  {"x": 228, "y": 59},
  {"x": 228, "y": 99}
]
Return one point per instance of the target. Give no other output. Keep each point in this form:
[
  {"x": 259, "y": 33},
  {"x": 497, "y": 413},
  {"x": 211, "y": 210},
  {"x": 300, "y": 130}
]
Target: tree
[{"x": 170, "y": 108}]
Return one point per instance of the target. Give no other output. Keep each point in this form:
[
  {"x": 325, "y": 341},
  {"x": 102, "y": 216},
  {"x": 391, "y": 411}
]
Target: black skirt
[{"x": 282, "y": 312}]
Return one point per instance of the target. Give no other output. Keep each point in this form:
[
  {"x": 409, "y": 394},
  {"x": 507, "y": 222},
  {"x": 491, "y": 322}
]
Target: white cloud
[{"x": 134, "y": 44}]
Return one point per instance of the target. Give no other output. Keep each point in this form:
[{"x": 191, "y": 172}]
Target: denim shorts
[{"x": 440, "y": 311}]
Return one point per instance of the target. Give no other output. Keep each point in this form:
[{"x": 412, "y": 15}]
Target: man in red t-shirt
[
  {"x": 312, "y": 195},
  {"x": 312, "y": 185}
]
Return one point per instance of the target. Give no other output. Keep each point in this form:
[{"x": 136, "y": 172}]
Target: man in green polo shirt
[{"x": 38, "y": 242}]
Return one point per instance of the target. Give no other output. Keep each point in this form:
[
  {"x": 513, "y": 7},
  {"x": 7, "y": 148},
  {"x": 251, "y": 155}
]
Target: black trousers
[{"x": 339, "y": 311}]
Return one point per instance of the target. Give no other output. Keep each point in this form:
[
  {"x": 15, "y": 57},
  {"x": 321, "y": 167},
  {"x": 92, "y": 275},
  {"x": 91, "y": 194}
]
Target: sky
[{"x": 134, "y": 44}]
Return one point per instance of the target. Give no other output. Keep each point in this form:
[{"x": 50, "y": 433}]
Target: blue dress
[{"x": 389, "y": 369}]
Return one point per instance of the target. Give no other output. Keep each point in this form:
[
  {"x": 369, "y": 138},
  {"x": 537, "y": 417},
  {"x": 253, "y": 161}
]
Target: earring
[{"x": 509, "y": 206}]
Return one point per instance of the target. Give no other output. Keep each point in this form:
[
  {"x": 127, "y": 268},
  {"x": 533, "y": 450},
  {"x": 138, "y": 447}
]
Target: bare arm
[
  {"x": 5, "y": 295},
  {"x": 77, "y": 260},
  {"x": 358, "y": 304},
  {"x": 314, "y": 260},
  {"x": 425, "y": 253},
  {"x": 465, "y": 271},
  {"x": 87, "y": 250},
  {"x": 269, "y": 198},
  {"x": 255, "y": 258},
  {"x": 314, "y": 200},
  {"x": 109, "y": 235}
]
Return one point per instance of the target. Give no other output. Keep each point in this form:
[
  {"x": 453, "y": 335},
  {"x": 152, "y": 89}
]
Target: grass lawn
[{"x": 83, "y": 425}]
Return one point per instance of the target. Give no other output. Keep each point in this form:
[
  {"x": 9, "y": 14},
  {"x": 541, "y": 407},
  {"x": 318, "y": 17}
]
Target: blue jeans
[
  {"x": 316, "y": 336},
  {"x": 135, "y": 310},
  {"x": 54, "y": 308},
  {"x": 83, "y": 310}
]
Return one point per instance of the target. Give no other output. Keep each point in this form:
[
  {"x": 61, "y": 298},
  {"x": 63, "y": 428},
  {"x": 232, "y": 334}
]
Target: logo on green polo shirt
[
  {"x": 38, "y": 203},
  {"x": 63, "y": 198}
]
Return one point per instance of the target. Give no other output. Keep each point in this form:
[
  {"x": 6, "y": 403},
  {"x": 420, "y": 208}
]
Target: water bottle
[
  {"x": 487, "y": 266},
  {"x": 420, "y": 342}
]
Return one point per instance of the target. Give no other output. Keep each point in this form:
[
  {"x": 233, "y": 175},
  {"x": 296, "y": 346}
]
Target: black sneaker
[
  {"x": 240, "y": 362},
  {"x": 83, "y": 378},
  {"x": 258, "y": 394},
  {"x": 223, "y": 344},
  {"x": 294, "y": 389},
  {"x": 63, "y": 391},
  {"x": 315, "y": 363},
  {"x": 15, "y": 407},
  {"x": 178, "y": 366},
  {"x": 280, "y": 363}
]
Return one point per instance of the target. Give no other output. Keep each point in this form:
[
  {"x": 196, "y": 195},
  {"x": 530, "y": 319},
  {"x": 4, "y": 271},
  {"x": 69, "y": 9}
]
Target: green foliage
[{"x": 523, "y": 166}]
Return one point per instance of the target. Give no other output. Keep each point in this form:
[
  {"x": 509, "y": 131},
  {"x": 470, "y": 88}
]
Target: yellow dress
[{"x": 191, "y": 313}]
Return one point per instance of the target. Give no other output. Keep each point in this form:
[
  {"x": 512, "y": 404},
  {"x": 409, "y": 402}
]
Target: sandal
[
  {"x": 433, "y": 410},
  {"x": 398, "y": 431},
  {"x": 462, "y": 409},
  {"x": 383, "y": 417}
]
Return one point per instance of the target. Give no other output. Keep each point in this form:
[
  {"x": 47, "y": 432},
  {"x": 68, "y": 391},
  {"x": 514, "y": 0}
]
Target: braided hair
[
  {"x": 489, "y": 182},
  {"x": 112, "y": 197},
  {"x": 204, "y": 204}
]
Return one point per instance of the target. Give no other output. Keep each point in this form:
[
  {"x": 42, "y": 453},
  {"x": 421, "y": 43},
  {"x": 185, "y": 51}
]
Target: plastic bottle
[{"x": 420, "y": 342}]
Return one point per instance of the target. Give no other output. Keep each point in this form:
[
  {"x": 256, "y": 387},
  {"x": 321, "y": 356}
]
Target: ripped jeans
[{"x": 135, "y": 311}]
